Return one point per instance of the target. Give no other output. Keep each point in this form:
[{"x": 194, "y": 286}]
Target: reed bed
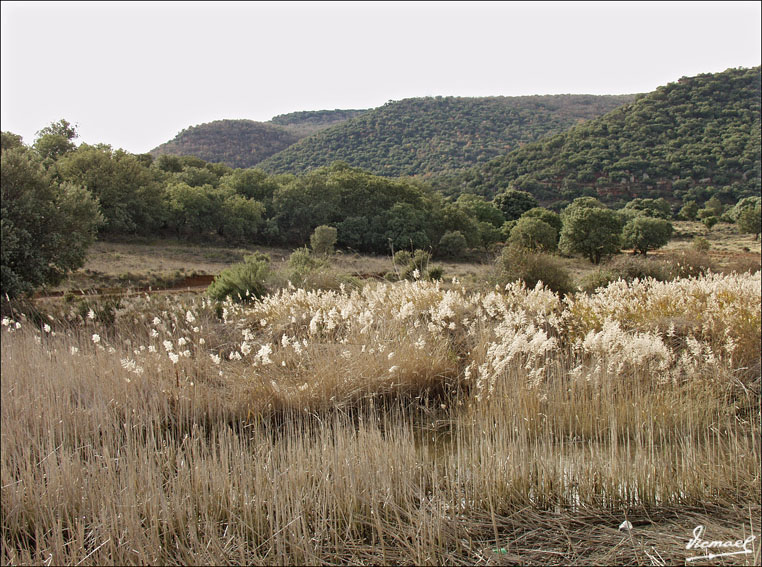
[{"x": 395, "y": 424}]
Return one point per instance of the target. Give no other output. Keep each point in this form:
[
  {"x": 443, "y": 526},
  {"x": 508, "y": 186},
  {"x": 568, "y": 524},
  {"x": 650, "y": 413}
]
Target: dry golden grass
[{"x": 394, "y": 424}]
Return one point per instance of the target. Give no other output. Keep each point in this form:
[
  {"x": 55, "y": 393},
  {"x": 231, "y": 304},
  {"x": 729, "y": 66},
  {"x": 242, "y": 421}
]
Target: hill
[
  {"x": 244, "y": 143},
  {"x": 308, "y": 122},
  {"x": 684, "y": 140},
  {"x": 432, "y": 135}
]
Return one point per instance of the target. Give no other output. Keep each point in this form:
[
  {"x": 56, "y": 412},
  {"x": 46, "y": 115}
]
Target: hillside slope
[
  {"x": 675, "y": 142},
  {"x": 425, "y": 136},
  {"x": 244, "y": 143}
]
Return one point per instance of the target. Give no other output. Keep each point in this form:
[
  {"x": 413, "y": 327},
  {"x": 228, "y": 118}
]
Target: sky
[{"x": 134, "y": 74}]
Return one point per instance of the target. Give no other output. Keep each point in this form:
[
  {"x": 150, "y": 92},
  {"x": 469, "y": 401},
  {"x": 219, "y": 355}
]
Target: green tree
[
  {"x": 55, "y": 140},
  {"x": 659, "y": 208},
  {"x": 480, "y": 209},
  {"x": 646, "y": 233},
  {"x": 10, "y": 141},
  {"x": 129, "y": 193},
  {"x": 46, "y": 226},
  {"x": 591, "y": 230},
  {"x": 545, "y": 215},
  {"x": 534, "y": 234},
  {"x": 239, "y": 219},
  {"x": 323, "y": 240},
  {"x": 452, "y": 244},
  {"x": 192, "y": 210},
  {"x": 710, "y": 221},
  {"x": 749, "y": 220},
  {"x": 689, "y": 211},
  {"x": 514, "y": 203}
]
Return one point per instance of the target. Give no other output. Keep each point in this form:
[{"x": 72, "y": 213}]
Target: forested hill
[
  {"x": 686, "y": 138},
  {"x": 309, "y": 122},
  {"x": 244, "y": 143},
  {"x": 421, "y": 136}
]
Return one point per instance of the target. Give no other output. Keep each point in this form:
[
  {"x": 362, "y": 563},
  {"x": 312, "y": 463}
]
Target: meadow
[
  {"x": 451, "y": 422},
  {"x": 395, "y": 423}
]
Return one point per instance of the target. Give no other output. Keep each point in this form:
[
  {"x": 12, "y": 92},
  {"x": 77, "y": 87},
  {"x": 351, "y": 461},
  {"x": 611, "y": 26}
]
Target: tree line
[{"x": 57, "y": 198}]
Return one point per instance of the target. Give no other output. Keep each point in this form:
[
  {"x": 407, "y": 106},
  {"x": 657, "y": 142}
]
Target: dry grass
[{"x": 394, "y": 424}]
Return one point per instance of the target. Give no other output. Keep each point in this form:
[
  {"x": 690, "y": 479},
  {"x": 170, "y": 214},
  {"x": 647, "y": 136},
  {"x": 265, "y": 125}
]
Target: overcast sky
[{"x": 134, "y": 74}]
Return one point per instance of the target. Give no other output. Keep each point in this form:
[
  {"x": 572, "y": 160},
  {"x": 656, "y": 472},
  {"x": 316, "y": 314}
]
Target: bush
[
  {"x": 646, "y": 233},
  {"x": 534, "y": 234},
  {"x": 242, "y": 282},
  {"x": 518, "y": 263},
  {"x": 323, "y": 240},
  {"x": 452, "y": 244},
  {"x": 701, "y": 244},
  {"x": 308, "y": 271},
  {"x": 710, "y": 221}
]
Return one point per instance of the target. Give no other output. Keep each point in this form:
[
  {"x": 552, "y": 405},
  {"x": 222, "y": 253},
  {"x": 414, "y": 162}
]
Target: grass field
[
  {"x": 384, "y": 423},
  {"x": 163, "y": 264}
]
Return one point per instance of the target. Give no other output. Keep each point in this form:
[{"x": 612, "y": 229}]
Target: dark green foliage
[
  {"x": 545, "y": 215},
  {"x": 646, "y": 233},
  {"x": 749, "y": 220},
  {"x": 710, "y": 221},
  {"x": 658, "y": 208},
  {"x": 673, "y": 142},
  {"x": 242, "y": 282},
  {"x": 371, "y": 213},
  {"x": 518, "y": 263},
  {"x": 130, "y": 194},
  {"x": 434, "y": 135},
  {"x": 590, "y": 229},
  {"x": 514, "y": 203},
  {"x": 46, "y": 225},
  {"x": 689, "y": 211},
  {"x": 323, "y": 239},
  {"x": 534, "y": 234},
  {"x": 452, "y": 244},
  {"x": 9, "y": 140},
  {"x": 55, "y": 140},
  {"x": 198, "y": 212}
]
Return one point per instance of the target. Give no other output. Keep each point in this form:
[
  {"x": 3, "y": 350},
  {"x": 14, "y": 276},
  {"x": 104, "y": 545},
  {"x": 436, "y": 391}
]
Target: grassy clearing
[
  {"x": 165, "y": 264},
  {"x": 394, "y": 423}
]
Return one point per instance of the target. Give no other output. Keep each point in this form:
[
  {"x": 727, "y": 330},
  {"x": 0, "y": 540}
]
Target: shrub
[
  {"x": 452, "y": 244},
  {"x": 534, "y": 234},
  {"x": 710, "y": 221},
  {"x": 701, "y": 244},
  {"x": 590, "y": 229},
  {"x": 646, "y": 233},
  {"x": 435, "y": 273},
  {"x": 323, "y": 240},
  {"x": 244, "y": 281},
  {"x": 518, "y": 263},
  {"x": 309, "y": 271}
]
